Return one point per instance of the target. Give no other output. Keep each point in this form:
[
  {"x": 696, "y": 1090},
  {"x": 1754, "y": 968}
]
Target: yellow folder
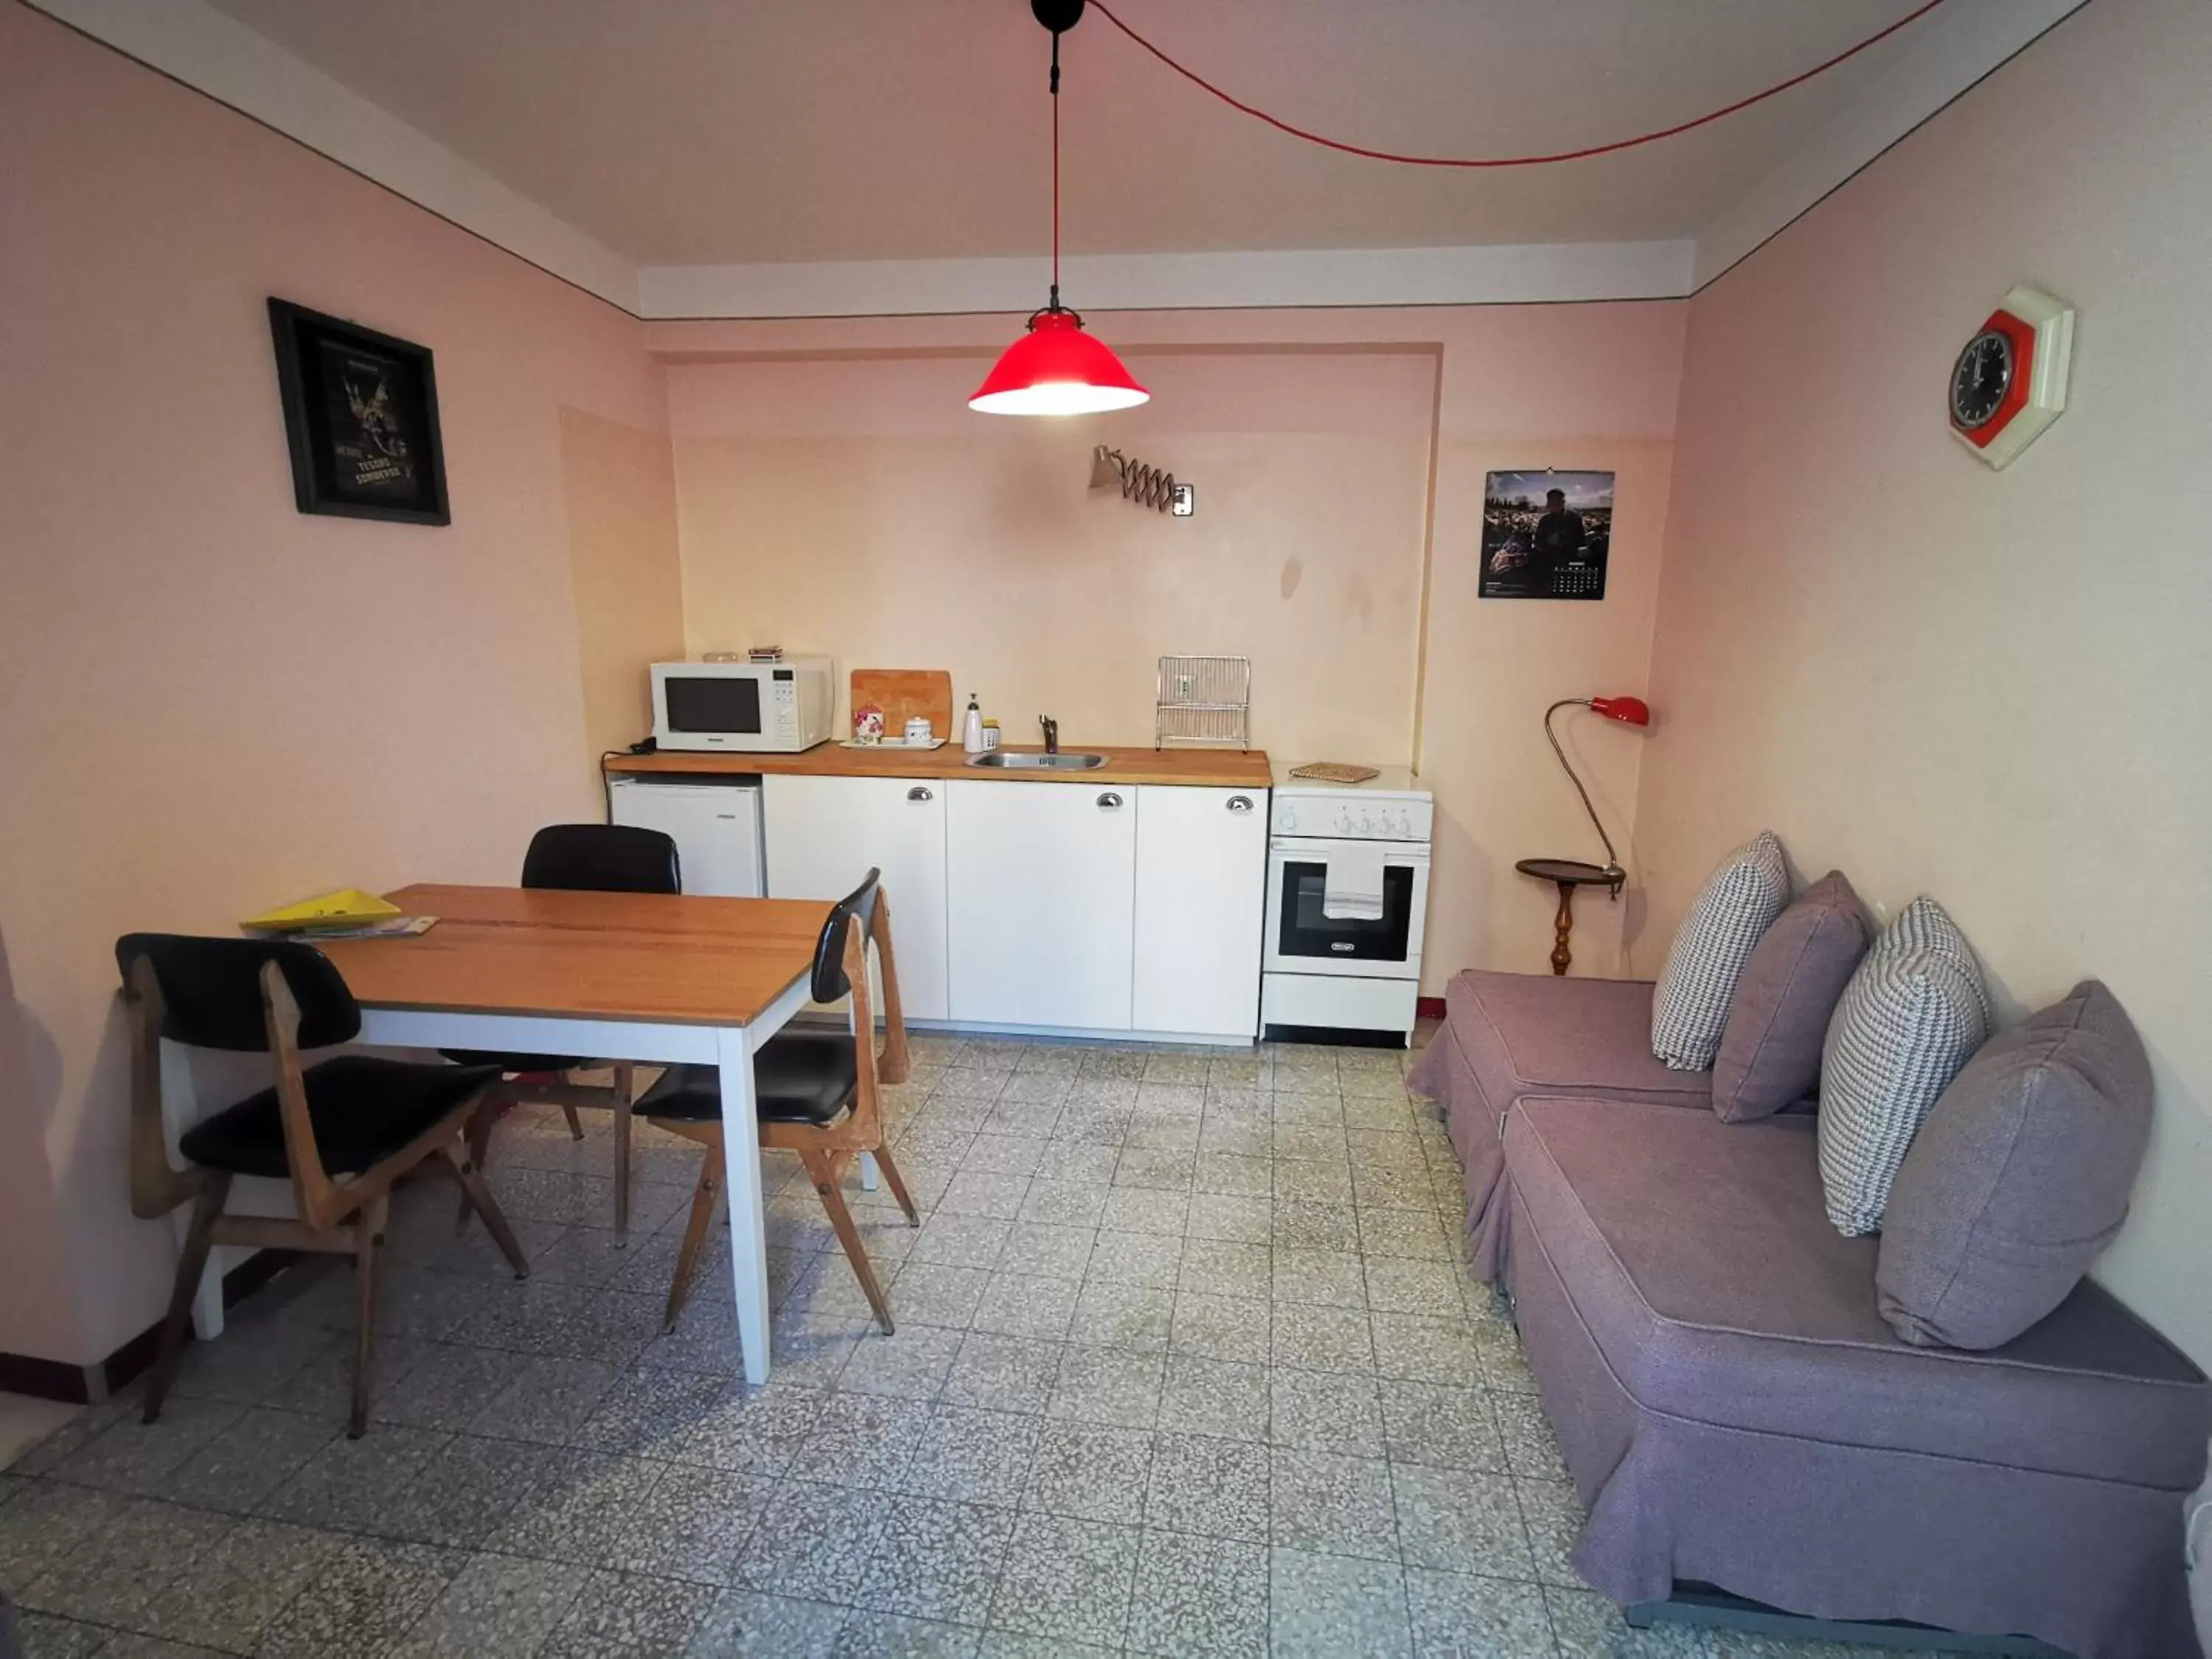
[{"x": 348, "y": 907}]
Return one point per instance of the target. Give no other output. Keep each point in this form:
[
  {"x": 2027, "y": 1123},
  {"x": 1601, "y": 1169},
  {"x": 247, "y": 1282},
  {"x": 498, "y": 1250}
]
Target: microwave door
[{"x": 715, "y": 705}]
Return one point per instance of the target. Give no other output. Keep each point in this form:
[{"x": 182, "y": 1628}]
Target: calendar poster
[{"x": 1544, "y": 535}]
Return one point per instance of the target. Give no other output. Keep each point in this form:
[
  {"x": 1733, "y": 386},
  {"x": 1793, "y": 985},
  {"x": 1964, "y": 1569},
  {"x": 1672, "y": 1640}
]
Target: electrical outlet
[{"x": 1185, "y": 500}]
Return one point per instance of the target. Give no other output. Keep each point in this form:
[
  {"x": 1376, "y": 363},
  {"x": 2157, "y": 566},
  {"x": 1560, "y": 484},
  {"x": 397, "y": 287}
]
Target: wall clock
[{"x": 2009, "y": 382}]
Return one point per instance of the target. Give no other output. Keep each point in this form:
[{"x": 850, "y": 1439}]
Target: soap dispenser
[{"x": 971, "y": 733}]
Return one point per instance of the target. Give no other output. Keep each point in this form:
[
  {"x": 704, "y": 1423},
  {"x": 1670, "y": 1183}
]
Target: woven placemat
[{"x": 1334, "y": 772}]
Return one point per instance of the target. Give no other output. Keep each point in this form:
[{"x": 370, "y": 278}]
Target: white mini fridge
[{"x": 716, "y": 826}]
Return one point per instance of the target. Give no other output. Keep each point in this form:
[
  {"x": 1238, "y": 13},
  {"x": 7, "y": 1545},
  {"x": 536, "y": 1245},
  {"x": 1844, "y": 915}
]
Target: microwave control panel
[{"x": 783, "y": 707}]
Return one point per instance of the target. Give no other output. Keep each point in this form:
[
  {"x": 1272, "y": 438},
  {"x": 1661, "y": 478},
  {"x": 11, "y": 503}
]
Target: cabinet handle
[
  {"x": 918, "y": 794},
  {"x": 1110, "y": 800},
  {"x": 1240, "y": 803}
]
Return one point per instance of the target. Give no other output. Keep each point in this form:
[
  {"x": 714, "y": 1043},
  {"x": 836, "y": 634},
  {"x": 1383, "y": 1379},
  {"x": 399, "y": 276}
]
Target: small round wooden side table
[{"x": 1567, "y": 874}]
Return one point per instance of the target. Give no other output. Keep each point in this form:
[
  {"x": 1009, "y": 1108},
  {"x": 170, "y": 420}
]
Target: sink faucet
[{"x": 1051, "y": 733}]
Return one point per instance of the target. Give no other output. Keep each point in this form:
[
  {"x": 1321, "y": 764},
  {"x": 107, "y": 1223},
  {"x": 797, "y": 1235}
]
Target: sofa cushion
[
  {"x": 1912, "y": 1015},
  {"x": 1699, "y": 1259},
  {"x": 2018, "y": 1178},
  {"x": 1770, "y": 1055},
  {"x": 1739, "y": 901},
  {"x": 1509, "y": 1035}
]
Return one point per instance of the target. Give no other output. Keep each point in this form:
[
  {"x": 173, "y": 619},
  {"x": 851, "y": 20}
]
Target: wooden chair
[
  {"x": 342, "y": 1130},
  {"x": 599, "y": 858},
  {"x": 816, "y": 1089}
]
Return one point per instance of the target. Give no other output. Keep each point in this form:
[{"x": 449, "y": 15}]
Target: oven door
[{"x": 1302, "y": 941}]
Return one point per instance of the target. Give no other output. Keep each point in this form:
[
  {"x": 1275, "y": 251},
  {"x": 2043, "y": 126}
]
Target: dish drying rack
[{"x": 1203, "y": 700}]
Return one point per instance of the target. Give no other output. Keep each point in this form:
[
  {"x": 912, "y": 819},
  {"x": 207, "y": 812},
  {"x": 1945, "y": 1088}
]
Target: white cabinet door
[
  {"x": 824, "y": 834},
  {"x": 1201, "y": 902},
  {"x": 1041, "y": 889}
]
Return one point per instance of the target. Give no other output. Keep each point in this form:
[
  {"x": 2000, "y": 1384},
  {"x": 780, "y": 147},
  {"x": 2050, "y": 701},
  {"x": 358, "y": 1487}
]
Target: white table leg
[
  {"x": 742, "y": 1182},
  {"x": 868, "y": 1175}
]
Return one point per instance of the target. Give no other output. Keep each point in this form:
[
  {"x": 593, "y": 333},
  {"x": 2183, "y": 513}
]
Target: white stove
[{"x": 1347, "y": 899}]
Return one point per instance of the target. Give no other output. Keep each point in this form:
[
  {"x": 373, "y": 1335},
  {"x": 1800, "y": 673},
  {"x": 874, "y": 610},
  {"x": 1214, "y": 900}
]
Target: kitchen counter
[{"x": 1226, "y": 769}]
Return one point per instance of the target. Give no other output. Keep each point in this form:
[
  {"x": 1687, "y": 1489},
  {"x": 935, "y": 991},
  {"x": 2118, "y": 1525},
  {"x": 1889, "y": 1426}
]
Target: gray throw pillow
[
  {"x": 1690, "y": 1005},
  {"x": 1912, "y": 1016},
  {"x": 1770, "y": 1055},
  {"x": 2020, "y": 1177}
]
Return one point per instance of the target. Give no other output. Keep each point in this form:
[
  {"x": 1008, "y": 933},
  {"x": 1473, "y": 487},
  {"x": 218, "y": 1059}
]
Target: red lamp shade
[
  {"x": 1632, "y": 711},
  {"x": 1055, "y": 368}
]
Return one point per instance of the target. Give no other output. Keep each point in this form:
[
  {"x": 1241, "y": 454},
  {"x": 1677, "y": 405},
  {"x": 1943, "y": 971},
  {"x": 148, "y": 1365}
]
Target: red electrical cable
[{"x": 1282, "y": 126}]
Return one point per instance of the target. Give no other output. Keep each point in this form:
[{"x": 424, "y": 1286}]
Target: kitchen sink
[{"x": 1011, "y": 761}]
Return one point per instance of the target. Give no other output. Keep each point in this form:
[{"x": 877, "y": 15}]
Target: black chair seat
[
  {"x": 516, "y": 1063},
  {"x": 798, "y": 1077},
  {"x": 363, "y": 1109}
]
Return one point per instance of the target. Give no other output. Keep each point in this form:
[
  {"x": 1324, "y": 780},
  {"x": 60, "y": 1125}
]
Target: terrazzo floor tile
[
  {"x": 1006, "y": 1373},
  {"x": 750, "y": 1430},
  {"x": 128, "y": 1455},
  {"x": 890, "y": 1636},
  {"x": 1448, "y": 1428},
  {"x": 961, "y": 1241},
  {"x": 1149, "y": 1259},
  {"x": 1315, "y": 1411},
  {"x": 1585, "y": 1625},
  {"x": 648, "y": 1409},
  {"x": 1202, "y": 1597},
  {"x": 115, "y": 1573},
  {"x": 752, "y": 1624},
  {"x": 692, "y": 1523},
  {"x": 629, "y": 1616},
  {"x": 446, "y": 1387},
  {"x": 46, "y": 1522},
  {"x": 1067, "y": 1579},
  {"x": 1553, "y": 1515},
  {"x": 1335, "y": 1278},
  {"x": 969, "y": 1455},
  {"x": 1202, "y": 1485},
  {"x": 366, "y": 1595},
  {"x": 932, "y": 1559},
  {"x": 1323, "y": 1606},
  {"x": 548, "y": 1401},
  {"x": 1143, "y": 1209},
  {"x": 1532, "y": 1449},
  {"x": 1220, "y": 1328},
  {"x": 1216, "y": 1267},
  {"x": 813, "y": 1542},
  {"x": 1019, "y": 1304},
  {"x": 1115, "y": 1313},
  {"x": 912, "y": 1364},
  {"x": 240, "y": 1467},
  {"x": 1108, "y": 1385},
  {"x": 463, "y": 1492},
  {"x": 1089, "y": 1472},
  {"x": 1459, "y": 1521},
  {"x": 1215, "y": 1397},
  {"x": 234, "y": 1592},
  {"x": 1312, "y": 1337},
  {"x": 1049, "y": 1250},
  {"x": 861, "y": 1440},
  {"x": 45, "y": 1637},
  {"x": 496, "y": 1606},
  {"x": 1340, "y": 1505},
  {"x": 578, "y": 1507}
]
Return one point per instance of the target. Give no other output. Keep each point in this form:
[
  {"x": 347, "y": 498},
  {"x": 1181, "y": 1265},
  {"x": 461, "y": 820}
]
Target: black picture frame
[
  {"x": 360, "y": 418},
  {"x": 1531, "y": 551}
]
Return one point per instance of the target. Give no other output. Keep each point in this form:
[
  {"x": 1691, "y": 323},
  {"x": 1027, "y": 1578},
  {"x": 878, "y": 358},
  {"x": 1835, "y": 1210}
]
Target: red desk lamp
[{"x": 1567, "y": 874}]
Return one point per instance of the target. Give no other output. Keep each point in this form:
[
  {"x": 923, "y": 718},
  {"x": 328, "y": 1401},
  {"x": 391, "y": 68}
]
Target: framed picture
[
  {"x": 361, "y": 414},
  {"x": 1544, "y": 535}
]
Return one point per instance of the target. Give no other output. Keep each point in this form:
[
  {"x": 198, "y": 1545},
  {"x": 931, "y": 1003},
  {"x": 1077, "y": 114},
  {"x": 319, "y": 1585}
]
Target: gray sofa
[{"x": 1734, "y": 1410}]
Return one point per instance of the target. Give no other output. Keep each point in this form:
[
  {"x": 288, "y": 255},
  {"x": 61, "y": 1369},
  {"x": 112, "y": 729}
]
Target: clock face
[{"x": 1981, "y": 378}]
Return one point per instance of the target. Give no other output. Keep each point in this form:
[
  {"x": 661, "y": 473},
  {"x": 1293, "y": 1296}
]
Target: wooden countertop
[{"x": 1224, "y": 769}]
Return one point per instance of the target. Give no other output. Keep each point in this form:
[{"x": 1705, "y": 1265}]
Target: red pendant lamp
[{"x": 1055, "y": 368}]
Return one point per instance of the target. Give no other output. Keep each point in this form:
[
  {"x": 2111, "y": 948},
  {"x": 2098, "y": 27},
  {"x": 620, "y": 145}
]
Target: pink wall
[
  {"x": 834, "y": 491},
  {"x": 208, "y": 702},
  {"x": 1992, "y": 688}
]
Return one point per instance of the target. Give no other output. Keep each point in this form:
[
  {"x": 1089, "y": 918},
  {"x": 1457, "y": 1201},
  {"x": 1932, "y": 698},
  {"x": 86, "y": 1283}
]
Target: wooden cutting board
[{"x": 902, "y": 693}]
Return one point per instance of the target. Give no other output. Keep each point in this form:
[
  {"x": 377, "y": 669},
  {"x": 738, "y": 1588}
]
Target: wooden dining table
[{"x": 660, "y": 978}]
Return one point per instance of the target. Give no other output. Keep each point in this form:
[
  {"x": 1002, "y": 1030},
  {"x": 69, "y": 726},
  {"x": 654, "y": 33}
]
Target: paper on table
[{"x": 1351, "y": 888}]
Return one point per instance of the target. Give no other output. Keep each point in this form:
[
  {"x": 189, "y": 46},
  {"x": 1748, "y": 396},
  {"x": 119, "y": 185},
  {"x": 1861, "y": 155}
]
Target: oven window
[
  {"x": 713, "y": 703},
  {"x": 1306, "y": 932}
]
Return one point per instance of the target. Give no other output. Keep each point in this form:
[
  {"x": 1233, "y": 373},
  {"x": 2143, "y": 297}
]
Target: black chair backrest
[
  {"x": 602, "y": 858},
  {"x": 830, "y": 980},
  {"x": 211, "y": 989}
]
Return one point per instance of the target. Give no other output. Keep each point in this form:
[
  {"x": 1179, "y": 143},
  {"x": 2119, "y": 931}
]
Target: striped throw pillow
[
  {"x": 1739, "y": 901},
  {"x": 1912, "y": 1014}
]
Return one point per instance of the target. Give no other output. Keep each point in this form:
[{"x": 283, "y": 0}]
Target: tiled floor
[{"x": 1186, "y": 1363}]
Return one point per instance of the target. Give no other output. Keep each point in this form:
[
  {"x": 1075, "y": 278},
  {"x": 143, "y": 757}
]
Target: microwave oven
[{"x": 754, "y": 707}]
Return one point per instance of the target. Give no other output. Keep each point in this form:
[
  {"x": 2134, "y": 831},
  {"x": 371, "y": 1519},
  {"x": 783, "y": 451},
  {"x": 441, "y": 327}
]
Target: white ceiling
[
  {"x": 796, "y": 157},
  {"x": 720, "y": 132}
]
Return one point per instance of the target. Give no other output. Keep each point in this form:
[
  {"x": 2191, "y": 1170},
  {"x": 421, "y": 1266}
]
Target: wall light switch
[{"x": 1185, "y": 501}]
